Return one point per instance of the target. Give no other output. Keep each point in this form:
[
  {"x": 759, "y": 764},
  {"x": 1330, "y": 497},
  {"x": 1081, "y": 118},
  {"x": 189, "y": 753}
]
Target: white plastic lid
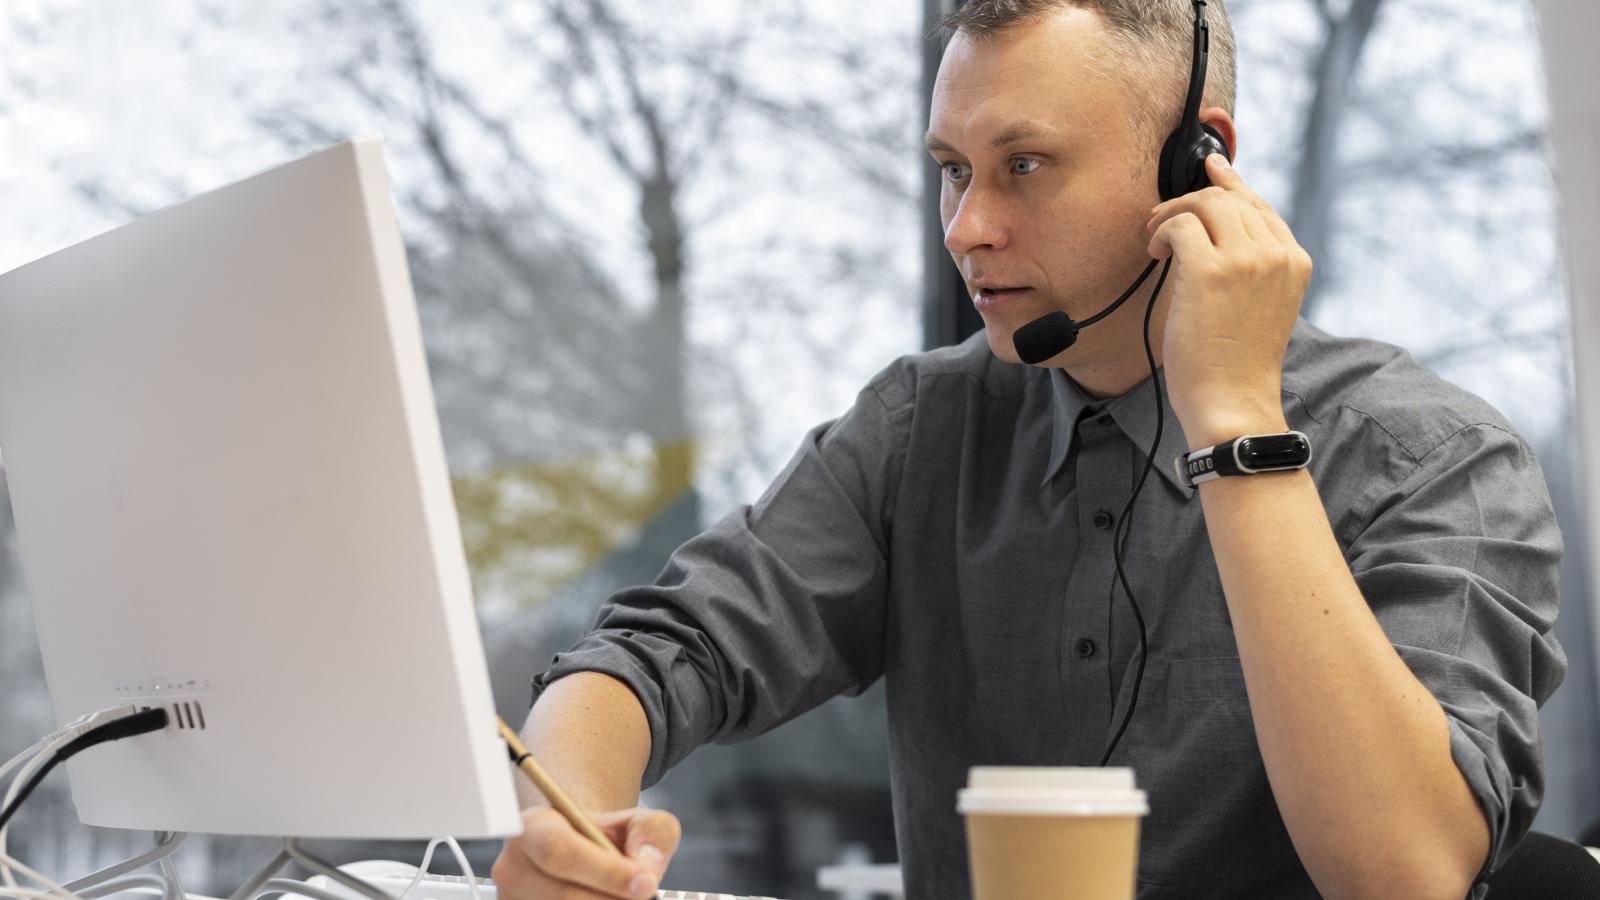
[{"x": 1051, "y": 791}]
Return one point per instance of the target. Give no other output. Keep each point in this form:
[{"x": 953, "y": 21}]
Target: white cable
[
  {"x": 50, "y": 888},
  {"x": 416, "y": 878},
  {"x": 466, "y": 867},
  {"x": 47, "y": 746},
  {"x": 298, "y": 888},
  {"x": 133, "y": 884},
  {"x": 427, "y": 858},
  {"x": 140, "y": 883},
  {"x": 79, "y": 725},
  {"x": 27, "y": 754},
  {"x": 7, "y": 862}
]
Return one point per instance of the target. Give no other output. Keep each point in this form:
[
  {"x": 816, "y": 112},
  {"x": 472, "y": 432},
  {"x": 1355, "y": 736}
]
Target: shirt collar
[
  {"x": 1133, "y": 412},
  {"x": 1067, "y": 403}
]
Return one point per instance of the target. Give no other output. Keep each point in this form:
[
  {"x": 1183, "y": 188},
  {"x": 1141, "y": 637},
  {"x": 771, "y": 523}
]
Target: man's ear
[{"x": 1218, "y": 118}]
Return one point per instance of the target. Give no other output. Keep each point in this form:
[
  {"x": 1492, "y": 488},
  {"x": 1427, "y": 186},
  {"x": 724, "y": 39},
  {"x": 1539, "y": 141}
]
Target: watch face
[{"x": 1274, "y": 451}]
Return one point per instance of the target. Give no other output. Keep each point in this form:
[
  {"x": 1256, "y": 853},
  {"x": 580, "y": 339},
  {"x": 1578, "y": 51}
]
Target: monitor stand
[
  {"x": 292, "y": 851},
  {"x": 168, "y": 842}
]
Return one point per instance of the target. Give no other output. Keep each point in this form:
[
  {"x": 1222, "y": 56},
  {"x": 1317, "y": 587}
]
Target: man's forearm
[
  {"x": 590, "y": 733},
  {"x": 1356, "y": 748}
]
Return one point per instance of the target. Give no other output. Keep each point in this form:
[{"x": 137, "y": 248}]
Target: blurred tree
[
  {"x": 561, "y": 365},
  {"x": 1392, "y": 162},
  {"x": 505, "y": 276},
  {"x": 1335, "y": 66}
]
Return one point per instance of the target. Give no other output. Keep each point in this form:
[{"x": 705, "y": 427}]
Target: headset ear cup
[
  {"x": 1221, "y": 145},
  {"x": 1164, "y": 181},
  {"x": 1183, "y": 162},
  {"x": 1206, "y": 144}
]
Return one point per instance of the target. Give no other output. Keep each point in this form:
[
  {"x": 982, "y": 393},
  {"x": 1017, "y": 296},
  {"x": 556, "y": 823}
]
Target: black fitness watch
[{"x": 1246, "y": 455}]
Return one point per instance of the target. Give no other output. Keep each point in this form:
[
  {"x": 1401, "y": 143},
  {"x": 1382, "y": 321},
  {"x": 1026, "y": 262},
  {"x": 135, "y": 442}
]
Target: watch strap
[{"x": 1222, "y": 460}]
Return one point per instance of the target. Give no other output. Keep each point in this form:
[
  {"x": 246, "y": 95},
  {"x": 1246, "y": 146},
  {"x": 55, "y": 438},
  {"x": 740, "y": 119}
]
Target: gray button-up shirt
[{"x": 952, "y": 532}]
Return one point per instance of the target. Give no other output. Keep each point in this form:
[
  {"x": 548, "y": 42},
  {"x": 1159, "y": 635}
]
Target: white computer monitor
[{"x": 232, "y": 501}]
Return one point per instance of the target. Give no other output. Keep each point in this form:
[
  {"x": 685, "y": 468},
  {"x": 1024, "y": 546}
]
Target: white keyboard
[{"x": 455, "y": 887}]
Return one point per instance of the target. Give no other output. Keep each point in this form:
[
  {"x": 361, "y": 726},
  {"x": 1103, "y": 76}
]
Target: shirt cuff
[
  {"x": 635, "y": 660},
  {"x": 1490, "y": 781}
]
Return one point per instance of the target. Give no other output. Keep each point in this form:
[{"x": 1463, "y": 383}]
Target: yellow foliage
[{"x": 532, "y": 528}]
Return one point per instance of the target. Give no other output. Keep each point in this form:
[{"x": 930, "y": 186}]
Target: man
[{"x": 1344, "y": 662}]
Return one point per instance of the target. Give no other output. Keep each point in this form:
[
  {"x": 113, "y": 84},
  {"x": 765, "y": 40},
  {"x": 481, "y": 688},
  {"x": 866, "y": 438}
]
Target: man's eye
[
  {"x": 954, "y": 171},
  {"x": 1025, "y": 166}
]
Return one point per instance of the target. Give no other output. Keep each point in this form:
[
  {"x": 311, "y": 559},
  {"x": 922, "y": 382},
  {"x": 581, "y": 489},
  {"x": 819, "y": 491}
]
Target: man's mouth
[{"x": 992, "y": 296}]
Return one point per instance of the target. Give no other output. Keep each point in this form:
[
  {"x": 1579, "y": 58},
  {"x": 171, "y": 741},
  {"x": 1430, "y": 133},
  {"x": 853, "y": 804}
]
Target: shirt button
[
  {"x": 1085, "y": 648},
  {"x": 1102, "y": 519}
]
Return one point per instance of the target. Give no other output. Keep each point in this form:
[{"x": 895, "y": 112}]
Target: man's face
[{"x": 1043, "y": 196}]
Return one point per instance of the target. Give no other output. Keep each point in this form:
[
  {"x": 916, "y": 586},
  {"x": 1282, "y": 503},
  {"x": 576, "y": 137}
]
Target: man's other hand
[{"x": 551, "y": 859}]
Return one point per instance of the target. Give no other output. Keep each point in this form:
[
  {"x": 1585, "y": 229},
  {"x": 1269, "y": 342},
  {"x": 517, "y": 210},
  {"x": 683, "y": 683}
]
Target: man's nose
[{"x": 977, "y": 223}]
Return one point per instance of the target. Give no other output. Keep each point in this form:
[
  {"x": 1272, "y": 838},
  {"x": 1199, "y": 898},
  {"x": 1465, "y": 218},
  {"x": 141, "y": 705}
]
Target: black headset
[
  {"x": 1183, "y": 158},
  {"x": 1182, "y": 171}
]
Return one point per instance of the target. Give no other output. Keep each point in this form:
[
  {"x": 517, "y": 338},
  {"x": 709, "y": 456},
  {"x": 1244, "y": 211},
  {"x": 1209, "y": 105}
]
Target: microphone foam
[{"x": 1044, "y": 337}]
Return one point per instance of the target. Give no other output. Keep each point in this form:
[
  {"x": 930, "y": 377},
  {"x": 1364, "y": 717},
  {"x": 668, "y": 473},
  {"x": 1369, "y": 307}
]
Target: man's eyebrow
[{"x": 1021, "y": 131}]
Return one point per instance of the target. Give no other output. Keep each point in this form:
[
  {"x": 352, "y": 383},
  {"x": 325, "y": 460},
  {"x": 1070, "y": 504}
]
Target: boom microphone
[
  {"x": 1044, "y": 337},
  {"x": 1054, "y": 332}
]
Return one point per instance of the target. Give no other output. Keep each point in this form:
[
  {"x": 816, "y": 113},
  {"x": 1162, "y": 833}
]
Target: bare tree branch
[
  {"x": 563, "y": 73},
  {"x": 1539, "y": 339},
  {"x": 1443, "y": 159}
]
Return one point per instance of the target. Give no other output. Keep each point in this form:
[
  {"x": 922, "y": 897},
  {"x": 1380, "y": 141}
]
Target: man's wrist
[{"x": 1222, "y": 425}]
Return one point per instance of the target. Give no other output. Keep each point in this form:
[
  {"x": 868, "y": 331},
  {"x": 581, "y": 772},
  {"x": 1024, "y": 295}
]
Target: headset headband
[{"x": 1197, "y": 73}]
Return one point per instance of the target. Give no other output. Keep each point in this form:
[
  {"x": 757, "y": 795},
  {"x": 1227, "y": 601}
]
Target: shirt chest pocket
[{"x": 1211, "y": 809}]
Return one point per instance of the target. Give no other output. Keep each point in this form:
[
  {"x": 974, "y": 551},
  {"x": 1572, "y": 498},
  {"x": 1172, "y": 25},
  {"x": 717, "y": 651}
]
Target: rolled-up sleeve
[
  {"x": 1460, "y": 564},
  {"x": 773, "y": 610}
]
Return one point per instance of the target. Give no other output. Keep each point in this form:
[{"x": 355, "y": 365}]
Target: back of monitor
[{"x": 232, "y": 501}]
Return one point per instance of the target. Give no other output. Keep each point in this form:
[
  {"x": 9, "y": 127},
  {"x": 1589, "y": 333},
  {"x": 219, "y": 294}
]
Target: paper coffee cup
[{"x": 1052, "y": 832}]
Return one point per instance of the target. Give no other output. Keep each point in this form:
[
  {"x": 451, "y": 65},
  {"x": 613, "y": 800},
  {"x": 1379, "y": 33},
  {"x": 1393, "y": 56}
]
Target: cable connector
[
  {"x": 143, "y": 721},
  {"x": 89, "y": 721},
  {"x": 116, "y": 725}
]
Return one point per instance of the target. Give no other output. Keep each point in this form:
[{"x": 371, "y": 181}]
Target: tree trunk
[
  {"x": 666, "y": 359},
  {"x": 1314, "y": 187}
]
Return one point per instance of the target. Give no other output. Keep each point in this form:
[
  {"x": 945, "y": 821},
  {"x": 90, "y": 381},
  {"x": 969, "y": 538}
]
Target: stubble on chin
[{"x": 1000, "y": 343}]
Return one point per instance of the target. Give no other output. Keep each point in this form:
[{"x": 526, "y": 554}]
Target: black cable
[
  {"x": 1119, "y": 537},
  {"x": 1143, "y": 277},
  {"x": 142, "y": 722}
]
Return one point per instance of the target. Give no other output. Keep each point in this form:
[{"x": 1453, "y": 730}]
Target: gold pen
[{"x": 547, "y": 786}]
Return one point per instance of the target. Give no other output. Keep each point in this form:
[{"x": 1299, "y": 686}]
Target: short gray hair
[{"x": 1155, "y": 38}]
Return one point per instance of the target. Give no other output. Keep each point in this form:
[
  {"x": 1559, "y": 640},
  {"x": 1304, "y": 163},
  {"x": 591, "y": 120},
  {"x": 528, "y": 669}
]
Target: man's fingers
[
  {"x": 1225, "y": 176},
  {"x": 511, "y": 871},
  {"x": 558, "y": 851},
  {"x": 1185, "y": 235},
  {"x": 1256, "y": 224},
  {"x": 1215, "y": 210},
  {"x": 516, "y": 879},
  {"x": 653, "y": 830}
]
